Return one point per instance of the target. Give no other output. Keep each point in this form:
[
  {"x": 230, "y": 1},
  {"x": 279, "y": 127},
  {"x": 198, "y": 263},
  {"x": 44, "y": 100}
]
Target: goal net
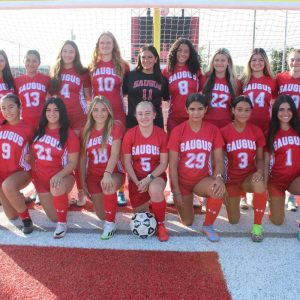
[{"x": 239, "y": 30}]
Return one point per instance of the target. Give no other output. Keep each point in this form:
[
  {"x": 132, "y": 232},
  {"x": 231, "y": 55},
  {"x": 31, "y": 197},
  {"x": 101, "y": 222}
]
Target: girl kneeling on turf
[
  {"x": 15, "y": 137},
  {"x": 282, "y": 159},
  {"x": 190, "y": 146},
  {"x": 100, "y": 168},
  {"x": 145, "y": 159},
  {"x": 244, "y": 144},
  {"x": 55, "y": 148}
]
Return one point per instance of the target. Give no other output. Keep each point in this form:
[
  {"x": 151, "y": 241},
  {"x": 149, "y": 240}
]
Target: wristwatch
[
  {"x": 150, "y": 176},
  {"x": 220, "y": 176}
]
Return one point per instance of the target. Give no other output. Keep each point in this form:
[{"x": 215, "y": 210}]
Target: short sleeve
[
  {"x": 117, "y": 132},
  {"x": 164, "y": 142},
  {"x": 173, "y": 143},
  {"x": 125, "y": 83},
  {"x": 73, "y": 144},
  {"x": 218, "y": 139},
  {"x": 127, "y": 142},
  {"x": 86, "y": 80}
]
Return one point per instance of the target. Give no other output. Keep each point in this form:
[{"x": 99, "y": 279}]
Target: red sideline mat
[{"x": 68, "y": 273}]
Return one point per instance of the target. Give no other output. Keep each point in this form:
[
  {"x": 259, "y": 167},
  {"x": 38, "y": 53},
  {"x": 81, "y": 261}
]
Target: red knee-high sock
[
  {"x": 110, "y": 206},
  {"x": 77, "y": 178},
  {"x": 24, "y": 215},
  {"x": 61, "y": 205},
  {"x": 159, "y": 210},
  {"x": 259, "y": 205},
  {"x": 213, "y": 207}
]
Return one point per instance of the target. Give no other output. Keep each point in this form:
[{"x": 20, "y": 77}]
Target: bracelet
[
  {"x": 176, "y": 194},
  {"x": 108, "y": 172}
]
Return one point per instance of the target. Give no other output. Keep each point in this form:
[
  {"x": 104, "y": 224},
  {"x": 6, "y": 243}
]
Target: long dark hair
[
  {"x": 275, "y": 123},
  {"x": 6, "y": 73},
  {"x": 196, "y": 97},
  {"x": 63, "y": 121},
  {"x": 157, "y": 71},
  {"x": 57, "y": 69},
  {"x": 230, "y": 75},
  {"x": 14, "y": 98},
  {"x": 193, "y": 62}
]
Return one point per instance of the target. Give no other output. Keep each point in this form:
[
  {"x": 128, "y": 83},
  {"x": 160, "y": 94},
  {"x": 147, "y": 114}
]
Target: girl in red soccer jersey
[
  {"x": 32, "y": 89},
  {"x": 107, "y": 71},
  {"x": 221, "y": 86},
  {"x": 289, "y": 84},
  {"x": 282, "y": 158},
  {"x": 71, "y": 82},
  {"x": 244, "y": 144},
  {"x": 191, "y": 145},
  {"x": 101, "y": 171},
  {"x": 145, "y": 159},
  {"x": 55, "y": 149},
  {"x": 6, "y": 78},
  {"x": 260, "y": 86},
  {"x": 146, "y": 83},
  {"x": 15, "y": 137},
  {"x": 183, "y": 74}
]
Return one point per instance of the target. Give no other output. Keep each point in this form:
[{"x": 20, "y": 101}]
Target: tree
[{"x": 277, "y": 58}]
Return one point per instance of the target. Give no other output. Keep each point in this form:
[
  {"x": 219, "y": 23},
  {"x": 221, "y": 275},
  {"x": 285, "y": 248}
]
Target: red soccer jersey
[
  {"x": 219, "y": 112},
  {"x": 181, "y": 83},
  {"x": 49, "y": 157},
  {"x": 288, "y": 85},
  {"x": 240, "y": 148},
  {"x": 98, "y": 158},
  {"x": 71, "y": 91},
  {"x": 4, "y": 90},
  {"x": 107, "y": 83},
  {"x": 194, "y": 149},
  {"x": 14, "y": 146},
  {"x": 284, "y": 164},
  {"x": 32, "y": 92},
  {"x": 145, "y": 152},
  {"x": 261, "y": 91}
]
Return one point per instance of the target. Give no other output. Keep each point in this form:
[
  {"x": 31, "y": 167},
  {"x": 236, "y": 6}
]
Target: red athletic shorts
[{"x": 136, "y": 198}]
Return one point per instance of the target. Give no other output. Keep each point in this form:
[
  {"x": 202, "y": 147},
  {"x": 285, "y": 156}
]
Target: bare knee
[
  {"x": 276, "y": 221},
  {"x": 8, "y": 186}
]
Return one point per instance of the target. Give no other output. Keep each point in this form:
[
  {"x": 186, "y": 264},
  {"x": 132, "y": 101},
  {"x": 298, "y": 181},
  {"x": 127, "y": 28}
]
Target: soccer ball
[{"x": 143, "y": 224}]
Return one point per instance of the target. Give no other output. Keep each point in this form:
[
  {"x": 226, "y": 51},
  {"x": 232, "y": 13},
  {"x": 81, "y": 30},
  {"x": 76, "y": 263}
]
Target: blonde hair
[
  {"x": 248, "y": 72},
  {"x": 117, "y": 59},
  {"x": 230, "y": 75},
  {"x": 90, "y": 123}
]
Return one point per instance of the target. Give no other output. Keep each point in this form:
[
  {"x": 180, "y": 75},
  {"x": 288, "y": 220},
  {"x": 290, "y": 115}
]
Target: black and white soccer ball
[{"x": 143, "y": 224}]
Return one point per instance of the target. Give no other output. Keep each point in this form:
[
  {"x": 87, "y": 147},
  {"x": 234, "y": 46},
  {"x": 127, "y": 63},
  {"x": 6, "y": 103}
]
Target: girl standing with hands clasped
[
  {"x": 55, "y": 150},
  {"x": 145, "y": 159},
  {"x": 6, "y": 79},
  {"x": 15, "y": 137},
  {"x": 100, "y": 168},
  {"x": 282, "y": 170},
  {"x": 244, "y": 144},
  {"x": 260, "y": 86},
  {"x": 146, "y": 83},
  {"x": 183, "y": 73},
  {"x": 221, "y": 86},
  {"x": 191, "y": 145},
  {"x": 32, "y": 89}
]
